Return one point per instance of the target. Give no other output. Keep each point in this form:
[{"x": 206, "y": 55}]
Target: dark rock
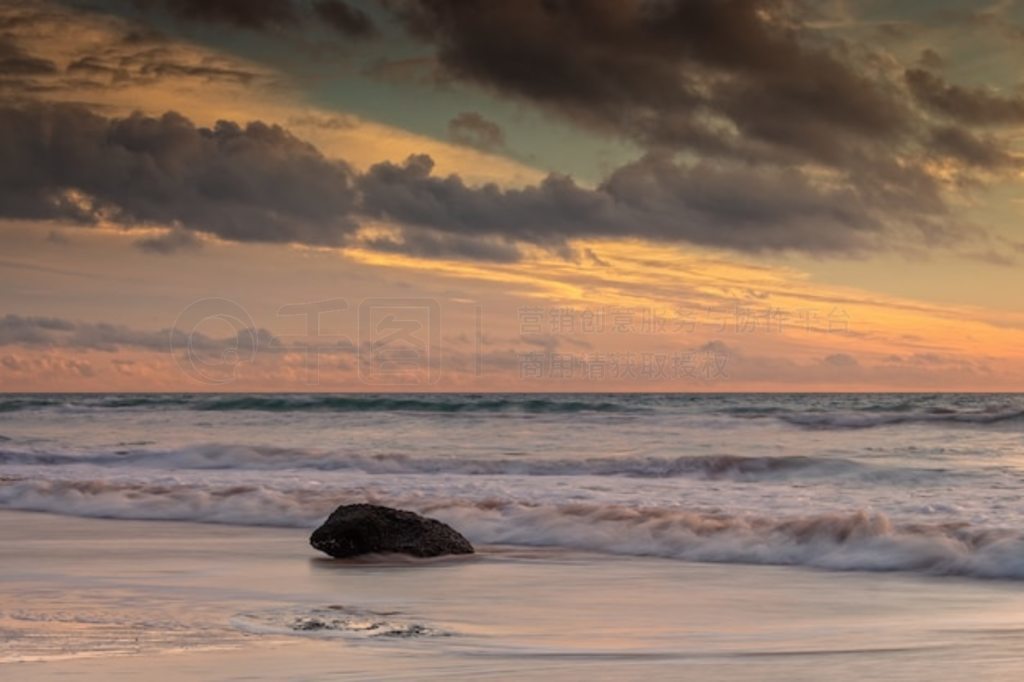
[{"x": 355, "y": 529}]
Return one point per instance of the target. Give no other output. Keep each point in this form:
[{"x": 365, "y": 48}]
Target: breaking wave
[
  {"x": 240, "y": 457},
  {"x": 860, "y": 540}
]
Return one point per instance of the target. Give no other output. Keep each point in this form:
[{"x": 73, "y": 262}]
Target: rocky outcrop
[{"x": 357, "y": 529}]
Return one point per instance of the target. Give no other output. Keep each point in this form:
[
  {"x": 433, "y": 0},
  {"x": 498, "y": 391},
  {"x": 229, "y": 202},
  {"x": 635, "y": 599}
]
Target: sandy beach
[
  {"x": 545, "y": 340},
  {"x": 115, "y": 599}
]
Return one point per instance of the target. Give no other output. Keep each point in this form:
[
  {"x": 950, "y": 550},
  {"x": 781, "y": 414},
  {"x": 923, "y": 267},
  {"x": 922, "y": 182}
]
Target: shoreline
[{"x": 105, "y": 598}]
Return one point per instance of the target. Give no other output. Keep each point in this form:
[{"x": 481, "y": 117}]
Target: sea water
[{"x": 732, "y": 537}]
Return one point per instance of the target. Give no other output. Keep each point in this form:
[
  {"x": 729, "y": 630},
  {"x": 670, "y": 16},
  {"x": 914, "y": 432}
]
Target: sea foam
[{"x": 860, "y": 540}]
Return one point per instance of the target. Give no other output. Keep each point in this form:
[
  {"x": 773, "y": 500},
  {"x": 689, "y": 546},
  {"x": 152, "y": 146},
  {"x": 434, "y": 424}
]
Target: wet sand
[{"x": 114, "y": 599}]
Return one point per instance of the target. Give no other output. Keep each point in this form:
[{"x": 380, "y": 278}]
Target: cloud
[
  {"x": 758, "y": 132},
  {"x": 48, "y": 332},
  {"x": 980, "y": 151},
  {"x": 474, "y": 130},
  {"x": 594, "y": 258},
  {"x": 801, "y": 124},
  {"x": 108, "y": 54},
  {"x": 269, "y": 15},
  {"x": 251, "y": 14},
  {"x": 719, "y": 204},
  {"x": 347, "y": 20},
  {"x": 16, "y": 62},
  {"x": 201, "y": 71},
  {"x": 429, "y": 244},
  {"x": 733, "y": 78},
  {"x": 841, "y": 360},
  {"x": 930, "y": 59},
  {"x": 170, "y": 241},
  {"x": 979, "y": 106},
  {"x": 251, "y": 183},
  {"x": 259, "y": 183},
  {"x": 30, "y": 331},
  {"x": 917, "y": 371},
  {"x": 47, "y": 366}
]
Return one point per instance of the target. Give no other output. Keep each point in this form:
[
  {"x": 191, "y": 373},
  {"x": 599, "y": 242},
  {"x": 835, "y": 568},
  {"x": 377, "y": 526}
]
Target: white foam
[
  {"x": 336, "y": 621},
  {"x": 858, "y": 540}
]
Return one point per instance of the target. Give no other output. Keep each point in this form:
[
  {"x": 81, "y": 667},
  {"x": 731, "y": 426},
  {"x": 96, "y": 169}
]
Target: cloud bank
[
  {"x": 259, "y": 183},
  {"x": 755, "y": 130}
]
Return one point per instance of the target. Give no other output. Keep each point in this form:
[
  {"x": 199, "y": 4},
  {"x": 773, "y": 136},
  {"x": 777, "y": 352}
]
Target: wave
[
  {"x": 426, "y": 403},
  {"x": 854, "y": 420},
  {"x": 716, "y": 411},
  {"x": 431, "y": 403},
  {"x": 858, "y": 540},
  {"x": 239, "y": 457}
]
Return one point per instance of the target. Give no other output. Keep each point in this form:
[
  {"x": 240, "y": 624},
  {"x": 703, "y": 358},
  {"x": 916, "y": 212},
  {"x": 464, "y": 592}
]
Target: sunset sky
[{"x": 511, "y": 195}]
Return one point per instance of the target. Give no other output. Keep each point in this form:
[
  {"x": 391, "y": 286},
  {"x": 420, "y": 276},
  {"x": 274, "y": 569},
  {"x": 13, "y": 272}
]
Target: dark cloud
[
  {"x": 28, "y": 331},
  {"x": 270, "y": 15},
  {"x": 731, "y": 77},
  {"x": 128, "y": 54},
  {"x": 712, "y": 203},
  {"x": 16, "y": 62},
  {"x": 474, "y": 130},
  {"x": 205, "y": 72},
  {"x": 48, "y": 332},
  {"x": 594, "y": 258},
  {"x": 251, "y": 183},
  {"x": 21, "y": 72},
  {"x": 756, "y": 131},
  {"x": 761, "y": 130},
  {"x": 542, "y": 214},
  {"x": 979, "y": 106},
  {"x": 251, "y": 14},
  {"x": 431, "y": 244},
  {"x": 348, "y": 20},
  {"x": 980, "y": 151},
  {"x": 259, "y": 183},
  {"x": 94, "y": 66},
  {"x": 33, "y": 331},
  {"x": 930, "y": 59}
]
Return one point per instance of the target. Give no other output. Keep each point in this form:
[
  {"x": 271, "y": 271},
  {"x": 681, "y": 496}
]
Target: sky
[{"x": 512, "y": 195}]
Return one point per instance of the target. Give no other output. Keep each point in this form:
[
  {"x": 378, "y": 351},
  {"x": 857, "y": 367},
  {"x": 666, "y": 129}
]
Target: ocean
[{"x": 820, "y": 502}]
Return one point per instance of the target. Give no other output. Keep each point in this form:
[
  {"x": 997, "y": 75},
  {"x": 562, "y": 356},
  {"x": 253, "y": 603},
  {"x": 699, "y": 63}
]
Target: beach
[
  {"x": 539, "y": 340},
  {"x": 729, "y": 537},
  {"x": 103, "y": 599}
]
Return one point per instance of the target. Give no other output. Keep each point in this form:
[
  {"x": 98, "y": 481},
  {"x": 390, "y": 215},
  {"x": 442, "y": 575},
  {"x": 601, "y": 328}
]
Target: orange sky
[{"x": 110, "y": 304}]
